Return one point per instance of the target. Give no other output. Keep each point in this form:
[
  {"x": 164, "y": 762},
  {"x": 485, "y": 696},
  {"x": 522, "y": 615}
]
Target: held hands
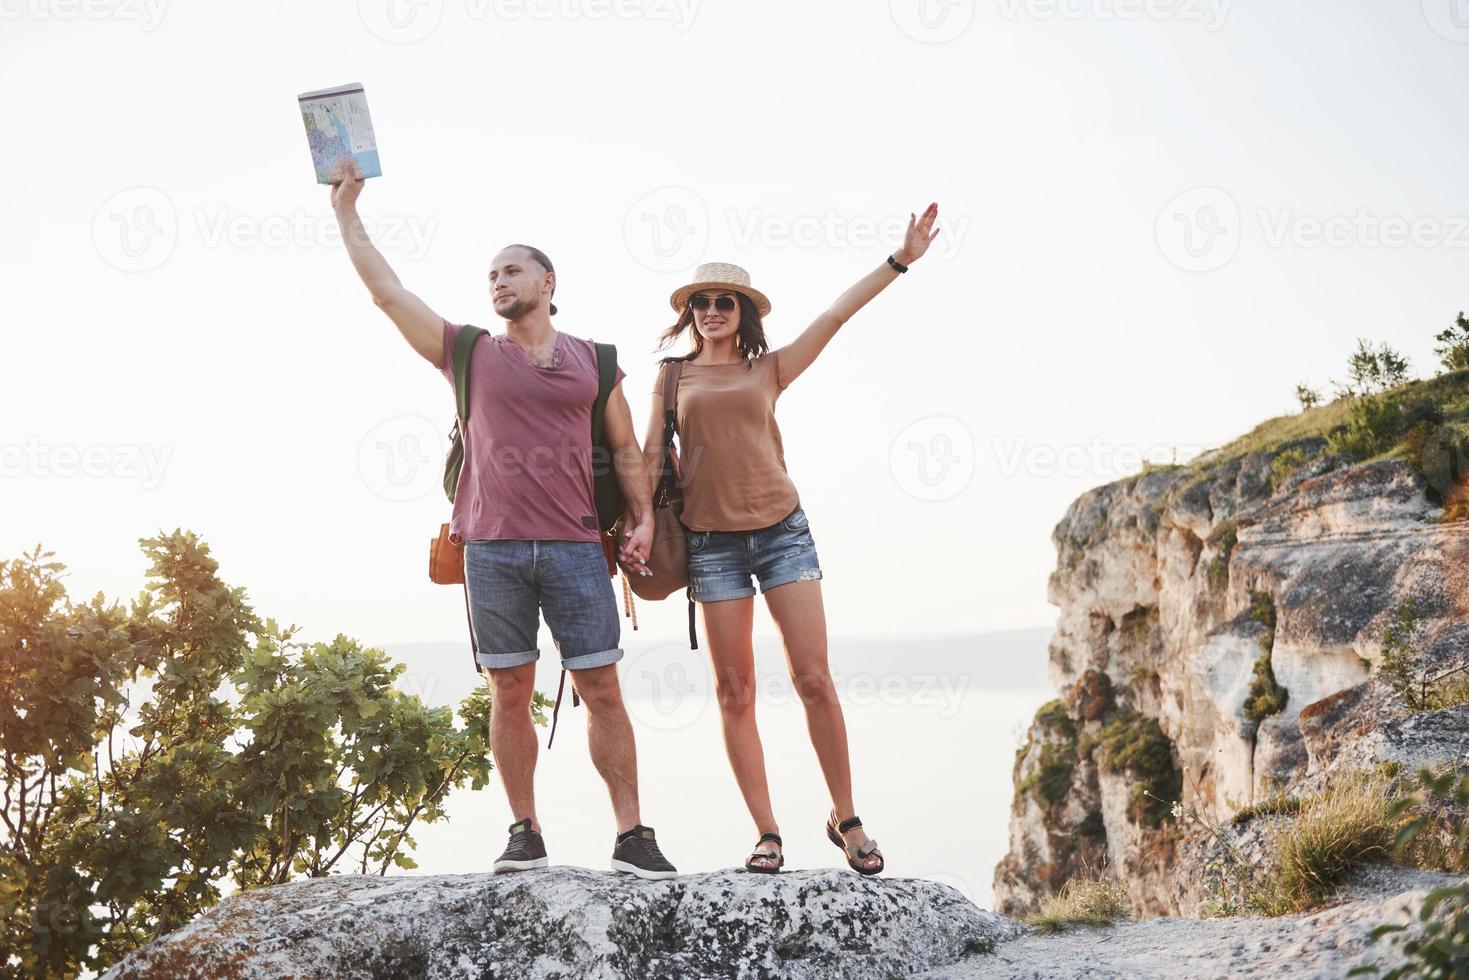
[
  {"x": 637, "y": 539},
  {"x": 346, "y": 184},
  {"x": 919, "y": 236},
  {"x": 636, "y": 544}
]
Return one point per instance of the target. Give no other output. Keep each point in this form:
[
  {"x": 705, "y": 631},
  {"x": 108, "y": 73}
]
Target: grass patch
[
  {"x": 1424, "y": 423},
  {"x": 1449, "y": 393},
  {"x": 1223, "y": 539},
  {"x": 1132, "y": 743},
  {"x": 1051, "y": 779},
  {"x": 1351, "y": 823},
  {"x": 1266, "y": 697},
  {"x": 1092, "y": 901},
  {"x": 1273, "y": 804},
  {"x": 1286, "y": 464},
  {"x": 1053, "y": 715},
  {"x": 1378, "y": 424}
]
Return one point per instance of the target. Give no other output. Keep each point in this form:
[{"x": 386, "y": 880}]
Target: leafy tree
[
  {"x": 1308, "y": 397},
  {"x": 1373, "y": 370},
  {"x": 1453, "y": 345},
  {"x": 155, "y": 754}
]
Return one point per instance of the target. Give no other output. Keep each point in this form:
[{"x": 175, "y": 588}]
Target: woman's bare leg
[
  {"x": 800, "y": 616},
  {"x": 728, "y": 625}
]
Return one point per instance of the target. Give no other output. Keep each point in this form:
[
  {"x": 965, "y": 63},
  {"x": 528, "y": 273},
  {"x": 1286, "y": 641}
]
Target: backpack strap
[
  {"x": 463, "y": 349},
  {"x": 556, "y": 708},
  {"x": 606, "y": 378},
  {"x": 459, "y": 358},
  {"x": 672, "y": 370}
]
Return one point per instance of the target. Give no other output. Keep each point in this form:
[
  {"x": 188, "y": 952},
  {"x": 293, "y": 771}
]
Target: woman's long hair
[{"x": 750, "y": 340}]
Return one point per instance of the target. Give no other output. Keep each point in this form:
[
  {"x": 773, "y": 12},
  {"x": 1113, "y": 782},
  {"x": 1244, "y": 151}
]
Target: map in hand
[{"x": 337, "y": 127}]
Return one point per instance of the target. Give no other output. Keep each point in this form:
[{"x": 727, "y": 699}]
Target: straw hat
[{"x": 720, "y": 275}]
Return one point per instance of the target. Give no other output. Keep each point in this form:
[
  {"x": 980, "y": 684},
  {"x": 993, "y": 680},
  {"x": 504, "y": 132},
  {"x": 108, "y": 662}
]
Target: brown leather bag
[
  {"x": 668, "y": 558},
  {"x": 446, "y": 558}
]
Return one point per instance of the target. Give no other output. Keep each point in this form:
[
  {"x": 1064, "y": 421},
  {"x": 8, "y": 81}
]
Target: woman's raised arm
[{"x": 797, "y": 356}]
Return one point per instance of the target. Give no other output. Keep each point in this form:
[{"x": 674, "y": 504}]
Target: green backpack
[{"x": 606, "y": 493}]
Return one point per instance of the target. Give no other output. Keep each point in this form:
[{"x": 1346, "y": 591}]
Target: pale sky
[{"x": 1158, "y": 216}]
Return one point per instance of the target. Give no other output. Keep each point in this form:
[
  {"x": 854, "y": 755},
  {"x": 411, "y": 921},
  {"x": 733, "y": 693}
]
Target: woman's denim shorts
[{"x": 721, "y": 562}]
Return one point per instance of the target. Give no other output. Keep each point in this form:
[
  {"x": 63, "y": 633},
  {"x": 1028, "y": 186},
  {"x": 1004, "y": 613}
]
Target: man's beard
[{"x": 519, "y": 308}]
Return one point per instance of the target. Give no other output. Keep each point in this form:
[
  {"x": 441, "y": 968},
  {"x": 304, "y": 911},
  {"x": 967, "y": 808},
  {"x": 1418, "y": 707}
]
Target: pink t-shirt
[{"x": 527, "y": 472}]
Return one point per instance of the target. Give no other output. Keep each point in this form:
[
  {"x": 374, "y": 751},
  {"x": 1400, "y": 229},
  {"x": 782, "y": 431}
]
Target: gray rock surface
[
  {"x": 575, "y": 923},
  {"x": 1321, "y": 945}
]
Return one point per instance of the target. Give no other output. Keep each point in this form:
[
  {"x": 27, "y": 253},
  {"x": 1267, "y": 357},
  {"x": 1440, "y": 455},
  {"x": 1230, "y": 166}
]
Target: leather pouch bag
[
  {"x": 446, "y": 558},
  {"x": 668, "y": 559}
]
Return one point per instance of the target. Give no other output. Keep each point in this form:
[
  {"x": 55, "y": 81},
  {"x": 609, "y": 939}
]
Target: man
[{"x": 525, "y": 511}]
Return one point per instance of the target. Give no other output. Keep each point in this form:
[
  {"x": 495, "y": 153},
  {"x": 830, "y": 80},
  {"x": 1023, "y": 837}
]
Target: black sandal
[
  {"x": 757, "y": 853},
  {"x": 834, "y": 833}
]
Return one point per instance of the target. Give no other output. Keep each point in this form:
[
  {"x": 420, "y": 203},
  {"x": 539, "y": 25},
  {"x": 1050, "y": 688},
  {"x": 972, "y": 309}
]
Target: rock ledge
[{"x": 573, "y": 922}]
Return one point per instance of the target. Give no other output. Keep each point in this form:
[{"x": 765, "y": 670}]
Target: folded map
[{"x": 337, "y": 127}]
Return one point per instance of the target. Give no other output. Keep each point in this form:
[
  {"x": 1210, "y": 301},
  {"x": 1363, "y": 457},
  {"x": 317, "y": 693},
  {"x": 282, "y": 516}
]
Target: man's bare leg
[
  {"x": 610, "y": 740},
  {"x": 513, "y": 737}
]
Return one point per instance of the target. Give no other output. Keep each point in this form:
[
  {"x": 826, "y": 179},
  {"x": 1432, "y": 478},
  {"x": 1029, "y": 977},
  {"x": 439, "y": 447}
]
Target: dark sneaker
[
  {"x": 637, "y": 853},
  {"x": 526, "y": 850}
]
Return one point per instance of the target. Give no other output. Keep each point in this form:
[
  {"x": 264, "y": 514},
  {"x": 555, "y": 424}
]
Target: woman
[{"x": 743, "y": 518}]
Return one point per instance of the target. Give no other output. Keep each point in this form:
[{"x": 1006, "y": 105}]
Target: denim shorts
[
  {"x": 511, "y": 583},
  {"x": 721, "y": 562}
]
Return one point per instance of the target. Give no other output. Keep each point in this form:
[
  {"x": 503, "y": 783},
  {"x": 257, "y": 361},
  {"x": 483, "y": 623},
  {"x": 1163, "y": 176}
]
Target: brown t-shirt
[{"x": 729, "y": 449}]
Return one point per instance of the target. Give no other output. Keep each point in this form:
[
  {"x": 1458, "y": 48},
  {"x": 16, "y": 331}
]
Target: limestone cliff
[{"x": 1228, "y": 617}]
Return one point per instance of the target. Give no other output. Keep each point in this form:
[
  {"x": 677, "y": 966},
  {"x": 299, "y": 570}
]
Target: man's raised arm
[{"x": 419, "y": 325}]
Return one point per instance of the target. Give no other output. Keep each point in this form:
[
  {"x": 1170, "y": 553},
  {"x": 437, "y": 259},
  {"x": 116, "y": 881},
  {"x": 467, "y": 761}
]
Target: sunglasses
[{"x": 724, "y": 304}]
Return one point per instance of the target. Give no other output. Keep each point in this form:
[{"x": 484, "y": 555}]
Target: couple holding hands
[{"x": 525, "y": 513}]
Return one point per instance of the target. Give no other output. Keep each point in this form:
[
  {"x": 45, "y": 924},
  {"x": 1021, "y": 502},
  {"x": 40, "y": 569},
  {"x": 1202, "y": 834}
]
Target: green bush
[
  {"x": 1266, "y": 697},
  {"x": 1453, "y": 345},
  {"x": 1308, "y": 397},
  {"x": 1404, "y": 669},
  {"x": 1135, "y": 744},
  {"x": 1377, "y": 423},
  {"x": 1052, "y": 777},
  {"x": 156, "y": 752},
  {"x": 1372, "y": 369}
]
